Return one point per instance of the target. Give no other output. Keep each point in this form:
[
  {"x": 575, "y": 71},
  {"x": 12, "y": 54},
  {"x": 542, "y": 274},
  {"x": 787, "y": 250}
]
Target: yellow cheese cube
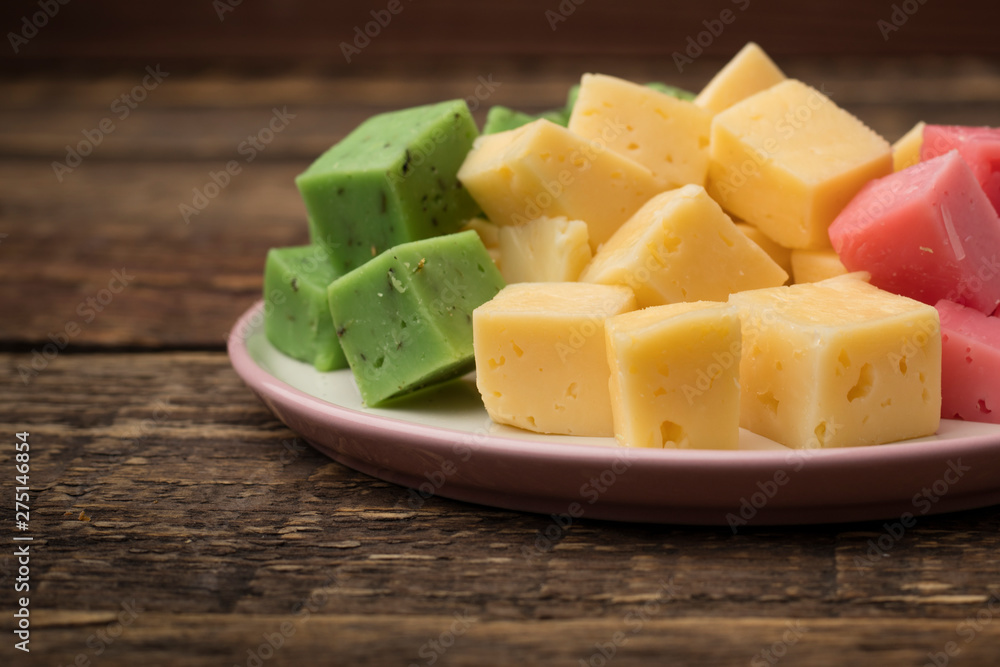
[
  {"x": 489, "y": 233},
  {"x": 749, "y": 72},
  {"x": 838, "y": 363},
  {"x": 675, "y": 376},
  {"x": 540, "y": 358},
  {"x": 781, "y": 255},
  {"x": 541, "y": 169},
  {"x": 681, "y": 246},
  {"x": 544, "y": 250},
  {"x": 906, "y": 150},
  {"x": 659, "y": 131},
  {"x": 788, "y": 159},
  {"x": 812, "y": 266}
]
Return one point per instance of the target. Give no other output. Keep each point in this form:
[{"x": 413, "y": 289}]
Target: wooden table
[{"x": 175, "y": 521}]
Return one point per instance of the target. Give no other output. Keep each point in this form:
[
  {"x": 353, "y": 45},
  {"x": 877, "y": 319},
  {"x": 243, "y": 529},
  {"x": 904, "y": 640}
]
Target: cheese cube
[
  {"x": 978, "y": 146},
  {"x": 749, "y": 72},
  {"x": 781, "y": 255},
  {"x": 666, "y": 134},
  {"x": 391, "y": 180},
  {"x": 489, "y": 234},
  {"x": 681, "y": 246},
  {"x": 906, "y": 150},
  {"x": 404, "y": 319},
  {"x": 812, "y": 266},
  {"x": 928, "y": 232},
  {"x": 540, "y": 358},
  {"x": 675, "y": 376},
  {"x": 544, "y": 250},
  {"x": 297, "y": 318},
  {"x": 542, "y": 169},
  {"x": 788, "y": 159},
  {"x": 838, "y": 363},
  {"x": 970, "y": 350}
]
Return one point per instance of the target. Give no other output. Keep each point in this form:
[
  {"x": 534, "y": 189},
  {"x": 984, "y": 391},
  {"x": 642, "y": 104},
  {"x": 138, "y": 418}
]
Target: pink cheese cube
[
  {"x": 927, "y": 232},
  {"x": 970, "y": 364},
  {"x": 978, "y": 146}
]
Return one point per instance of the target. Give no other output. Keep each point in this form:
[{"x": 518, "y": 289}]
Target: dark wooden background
[
  {"x": 161, "y": 484},
  {"x": 270, "y": 33}
]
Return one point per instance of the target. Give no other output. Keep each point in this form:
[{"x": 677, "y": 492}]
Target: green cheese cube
[
  {"x": 557, "y": 116},
  {"x": 501, "y": 119},
  {"x": 405, "y": 318},
  {"x": 673, "y": 91},
  {"x": 390, "y": 181},
  {"x": 296, "y": 312}
]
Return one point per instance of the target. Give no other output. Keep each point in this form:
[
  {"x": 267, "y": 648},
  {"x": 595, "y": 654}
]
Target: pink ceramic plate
[{"x": 442, "y": 442}]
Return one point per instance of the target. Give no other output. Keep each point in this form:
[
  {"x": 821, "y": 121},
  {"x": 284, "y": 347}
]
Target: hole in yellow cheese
[
  {"x": 864, "y": 384},
  {"x": 769, "y": 401},
  {"x": 671, "y": 432},
  {"x": 820, "y": 432}
]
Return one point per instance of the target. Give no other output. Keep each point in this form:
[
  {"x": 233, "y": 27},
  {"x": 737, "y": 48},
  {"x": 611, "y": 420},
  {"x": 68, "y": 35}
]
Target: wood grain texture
[
  {"x": 159, "y": 479},
  {"x": 642, "y": 639},
  {"x": 262, "y": 33},
  {"x": 121, "y": 207}
]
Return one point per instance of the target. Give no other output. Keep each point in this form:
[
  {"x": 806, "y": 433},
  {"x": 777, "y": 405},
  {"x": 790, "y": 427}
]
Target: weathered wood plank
[
  {"x": 186, "y": 283},
  {"x": 207, "y": 117},
  {"x": 643, "y": 635},
  {"x": 265, "y": 33},
  {"x": 160, "y": 477}
]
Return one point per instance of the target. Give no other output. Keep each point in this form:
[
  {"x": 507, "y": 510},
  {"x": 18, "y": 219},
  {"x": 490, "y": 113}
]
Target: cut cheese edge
[
  {"x": 838, "y": 363},
  {"x": 544, "y": 250},
  {"x": 781, "y": 255},
  {"x": 669, "y": 136},
  {"x": 788, "y": 160},
  {"x": 680, "y": 246},
  {"x": 675, "y": 376},
  {"x": 543, "y": 170},
  {"x": 749, "y": 72},
  {"x": 540, "y": 355},
  {"x": 812, "y": 266},
  {"x": 906, "y": 150}
]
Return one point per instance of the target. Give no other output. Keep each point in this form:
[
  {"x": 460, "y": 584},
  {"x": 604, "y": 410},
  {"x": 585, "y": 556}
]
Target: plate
[{"x": 441, "y": 442}]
